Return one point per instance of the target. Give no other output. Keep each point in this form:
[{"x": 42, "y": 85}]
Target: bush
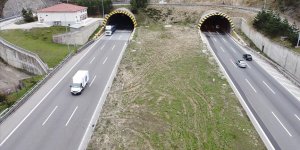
[
  {"x": 27, "y": 15},
  {"x": 95, "y": 6},
  {"x": 3, "y": 98},
  {"x": 270, "y": 23},
  {"x": 137, "y": 4}
]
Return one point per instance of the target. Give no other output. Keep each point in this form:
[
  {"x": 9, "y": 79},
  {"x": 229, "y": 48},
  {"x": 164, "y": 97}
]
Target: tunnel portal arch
[
  {"x": 122, "y": 18},
  {"x": 215, "y": 21}
]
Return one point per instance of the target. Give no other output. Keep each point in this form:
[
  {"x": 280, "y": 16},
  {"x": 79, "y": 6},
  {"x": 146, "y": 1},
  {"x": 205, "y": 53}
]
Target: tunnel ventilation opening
[
  {"x": 216, "y": 22},
  {"x": 122, "y": 18}
]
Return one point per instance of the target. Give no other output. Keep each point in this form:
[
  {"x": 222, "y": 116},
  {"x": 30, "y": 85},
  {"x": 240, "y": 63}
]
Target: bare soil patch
[{"x": 10, "y": 78}]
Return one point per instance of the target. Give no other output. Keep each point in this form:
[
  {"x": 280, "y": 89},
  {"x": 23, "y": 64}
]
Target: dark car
[{"x": 247, "y": 57}]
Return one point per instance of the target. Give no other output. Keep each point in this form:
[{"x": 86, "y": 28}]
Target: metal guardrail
[
  {"x": 29, "y": 93},
  {"x": 9, "y": 18}
]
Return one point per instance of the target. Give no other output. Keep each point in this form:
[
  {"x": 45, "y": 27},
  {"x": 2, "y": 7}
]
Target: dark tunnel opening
[
  {"x": 122, "y": 21},
  {"x": 216, "y": 24}
]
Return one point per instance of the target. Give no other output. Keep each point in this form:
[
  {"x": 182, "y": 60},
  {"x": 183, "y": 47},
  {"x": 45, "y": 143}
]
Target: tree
[
  {"x": 27, "y": 15},
  {"x": 3, "y": 98},
  {"x": 137, "y": 4},
  {"x": 95, "y": 6}
]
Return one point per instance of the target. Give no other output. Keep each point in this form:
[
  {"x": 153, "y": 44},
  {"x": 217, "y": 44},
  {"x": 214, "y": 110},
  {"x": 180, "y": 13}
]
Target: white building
[{"x": 62, "y": 15}]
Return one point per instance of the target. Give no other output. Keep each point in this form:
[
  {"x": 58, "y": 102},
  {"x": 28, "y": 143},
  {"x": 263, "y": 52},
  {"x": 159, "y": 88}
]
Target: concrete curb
[{"x": 255, "y": 123}]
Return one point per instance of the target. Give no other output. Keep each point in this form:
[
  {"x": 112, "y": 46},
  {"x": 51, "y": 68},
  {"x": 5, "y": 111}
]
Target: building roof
[{"x": 62, "y": 7}]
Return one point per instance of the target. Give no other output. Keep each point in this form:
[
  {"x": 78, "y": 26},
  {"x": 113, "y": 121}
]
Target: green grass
[
  {"x": 12, "y": 98},
  {"x": 39, "y": 41}
]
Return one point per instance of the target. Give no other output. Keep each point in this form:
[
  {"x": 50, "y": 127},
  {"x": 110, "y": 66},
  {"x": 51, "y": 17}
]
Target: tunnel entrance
[
  {"x": 122, "y": 22},
  {"x": 214, "y": 21},
  {"x": 122, "y": 18}
]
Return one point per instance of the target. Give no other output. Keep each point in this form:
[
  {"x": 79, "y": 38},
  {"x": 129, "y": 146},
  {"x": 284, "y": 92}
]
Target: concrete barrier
[
  {"x": 21, "y": 58},
  {"x": 77, "y": 36},
  {"x": 283, "y": 56}
]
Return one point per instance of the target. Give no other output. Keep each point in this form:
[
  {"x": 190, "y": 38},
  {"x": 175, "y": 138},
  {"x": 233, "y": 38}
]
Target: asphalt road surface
[
  {"x": 53, "y": 119},
  {"x": 274, "y": 107}
]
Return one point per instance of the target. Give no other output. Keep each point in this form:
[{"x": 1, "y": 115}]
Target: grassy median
[{"x": 170, "y": 94}]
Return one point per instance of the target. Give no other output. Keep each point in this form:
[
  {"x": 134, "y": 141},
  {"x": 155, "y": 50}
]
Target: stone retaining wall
[{"x": 21, "y": 58}]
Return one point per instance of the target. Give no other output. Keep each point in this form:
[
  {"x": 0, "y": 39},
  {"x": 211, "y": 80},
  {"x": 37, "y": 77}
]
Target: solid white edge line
[
  {"x": 297, "y": 117},
  {"x": 48, "y": 93},
  {"x": 92, "y": 60},
  {"x": 97, "y": 111},
  {"x": 269, "y": 87},
  {"x": 255, "y": 123},
  {"x": 71, "y": 116},
  {"x": 233, "y": 63},
  {"x": 250, "y": 85},
  {"x": 281, "y": 124},
  {"x": 49, "y": 116},
  {"x": 105, "y": 60},
  {"x": 92, "y": 81}
]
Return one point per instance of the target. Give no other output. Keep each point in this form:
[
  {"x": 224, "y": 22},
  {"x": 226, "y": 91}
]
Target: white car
[{"x": 241, "y": 63}]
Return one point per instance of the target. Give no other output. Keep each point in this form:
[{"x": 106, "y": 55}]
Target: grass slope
[
  {"x": 170, "y": 95},
  {"x": 39, "y": 41}
]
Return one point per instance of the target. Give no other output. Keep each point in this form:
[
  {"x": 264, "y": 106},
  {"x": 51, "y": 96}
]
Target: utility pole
[
  {"x": 102, "y": 9},
  {"x": 298, "y": 41}
]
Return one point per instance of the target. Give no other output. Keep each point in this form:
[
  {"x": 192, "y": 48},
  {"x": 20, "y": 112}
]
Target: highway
[
  {"x": 276, "y": 110},
  {"x": 53, "y": 119}
]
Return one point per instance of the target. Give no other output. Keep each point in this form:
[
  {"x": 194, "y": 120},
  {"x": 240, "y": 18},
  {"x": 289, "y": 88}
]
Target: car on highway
[
  {"x": 247, "y": 57},
  {"x": 241, "y": 63}
]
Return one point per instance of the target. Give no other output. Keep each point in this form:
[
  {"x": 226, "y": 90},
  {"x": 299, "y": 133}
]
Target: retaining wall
[
  {"x": 21, "y": 58},
  {"x": 77, "y": 36},
  {"x": 283, "y": 56}
]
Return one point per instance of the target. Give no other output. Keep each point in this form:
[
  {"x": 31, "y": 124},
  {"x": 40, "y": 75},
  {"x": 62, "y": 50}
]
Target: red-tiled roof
[{"x": 63, "y": 8}]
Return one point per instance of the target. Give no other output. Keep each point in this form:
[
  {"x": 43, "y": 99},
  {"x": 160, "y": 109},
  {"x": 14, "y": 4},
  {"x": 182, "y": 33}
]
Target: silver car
[{"x": 241, "y": 63}]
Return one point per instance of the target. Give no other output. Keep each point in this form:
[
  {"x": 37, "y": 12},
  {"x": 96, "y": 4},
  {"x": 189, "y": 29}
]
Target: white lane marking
[
  {"x": 102, "y": 46},
  {"x": 103, "y": 95},
  {"x": 71, "y": 115},
  {"x": 250, "y": 85},
  {"x": 269, "y": 87},
  {"x": 113, "y": 47},
  {"x": 233, "y": 63},
  {"x": 282, "y": 124},
  {"x": 297, "y": 117},
  {"x": 48, "y": 93},
  {"x": 222, "y": 49},
  {"x": 92, "y": 60},
  {"x": 224, "y": 39},
  {"x": 105, "y": 60},
  {"x": 92, "y": 81},
  {"x": 248, "y": 66},
  {"x": 110, "y": 37},
  {"x": 214, "y": 39},
  {"x": 233, "y": 50},
  {"x": 49, "y": 116}
]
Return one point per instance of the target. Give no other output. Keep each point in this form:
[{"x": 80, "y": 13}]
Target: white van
[{"x": 79, "y": 81}]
